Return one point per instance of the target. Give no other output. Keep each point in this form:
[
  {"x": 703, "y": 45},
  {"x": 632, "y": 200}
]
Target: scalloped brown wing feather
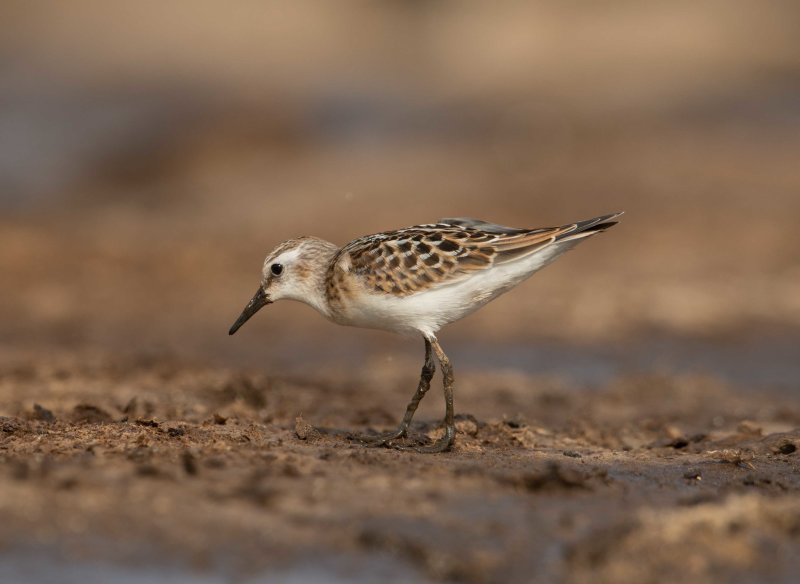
[{"x": 425, "y": 257}]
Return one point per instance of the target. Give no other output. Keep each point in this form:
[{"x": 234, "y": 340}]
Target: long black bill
[{"x": 258, "y": 302}]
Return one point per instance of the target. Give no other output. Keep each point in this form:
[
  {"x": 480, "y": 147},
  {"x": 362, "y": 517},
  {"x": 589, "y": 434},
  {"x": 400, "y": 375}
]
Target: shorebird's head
[{"x": 294, "y": 270}]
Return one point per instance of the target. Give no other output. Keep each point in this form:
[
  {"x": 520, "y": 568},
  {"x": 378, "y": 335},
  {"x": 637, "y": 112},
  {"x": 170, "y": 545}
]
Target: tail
[{"x": 587, "y": 228}]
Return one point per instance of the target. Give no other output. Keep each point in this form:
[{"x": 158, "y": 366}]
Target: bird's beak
[{"x": 259, "y": 301}]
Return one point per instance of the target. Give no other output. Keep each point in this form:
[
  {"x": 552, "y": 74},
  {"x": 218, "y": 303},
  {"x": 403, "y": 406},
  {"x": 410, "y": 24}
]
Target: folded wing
[{"x": 426, "y": 257}]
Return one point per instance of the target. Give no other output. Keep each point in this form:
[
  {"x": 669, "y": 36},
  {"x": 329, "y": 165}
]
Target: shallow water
[
  {"x": 748, "y": 365},
  {"x": 49, "y": 566}
]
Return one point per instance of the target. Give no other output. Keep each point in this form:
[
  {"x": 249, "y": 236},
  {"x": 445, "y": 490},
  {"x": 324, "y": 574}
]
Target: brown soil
[{"x": 245, "y": 474}]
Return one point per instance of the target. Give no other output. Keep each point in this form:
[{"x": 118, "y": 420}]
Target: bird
[{"x": 414, "y": 281}]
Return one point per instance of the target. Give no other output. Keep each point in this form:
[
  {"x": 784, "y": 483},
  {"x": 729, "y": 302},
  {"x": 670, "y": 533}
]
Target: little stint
[{"x": 414, "y": 280}]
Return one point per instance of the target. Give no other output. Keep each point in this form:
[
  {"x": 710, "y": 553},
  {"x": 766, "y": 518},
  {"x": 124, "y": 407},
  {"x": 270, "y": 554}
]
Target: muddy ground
[{"x": 222, "y": 474}]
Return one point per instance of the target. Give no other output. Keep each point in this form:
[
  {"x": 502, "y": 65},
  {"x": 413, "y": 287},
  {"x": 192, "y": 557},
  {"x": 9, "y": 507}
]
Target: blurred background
[{"x": 151, "y": 154}]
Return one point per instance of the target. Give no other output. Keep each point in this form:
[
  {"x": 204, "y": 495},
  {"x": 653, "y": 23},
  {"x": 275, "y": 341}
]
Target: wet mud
[{"x": 250, "y": 475}]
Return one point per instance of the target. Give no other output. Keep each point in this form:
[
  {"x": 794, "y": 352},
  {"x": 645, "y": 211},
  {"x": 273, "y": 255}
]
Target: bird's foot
[
  {"x": 384, "y": 438},
  {"x": 442, "y": 445}
]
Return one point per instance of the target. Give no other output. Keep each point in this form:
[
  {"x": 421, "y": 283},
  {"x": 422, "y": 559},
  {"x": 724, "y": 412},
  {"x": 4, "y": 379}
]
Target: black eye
[{"x": 276, "y": 269}]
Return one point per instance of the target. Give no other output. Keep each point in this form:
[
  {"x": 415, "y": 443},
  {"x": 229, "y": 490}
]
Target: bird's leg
[
  {"x": 446, "y": 441},
  {"x": 428, "y": 369}
]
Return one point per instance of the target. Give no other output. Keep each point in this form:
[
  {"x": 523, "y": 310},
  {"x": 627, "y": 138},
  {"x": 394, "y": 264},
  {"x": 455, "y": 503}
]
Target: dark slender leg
[
  {"x": 446, "y": 441},
  {"x": 428, "y": 369}
]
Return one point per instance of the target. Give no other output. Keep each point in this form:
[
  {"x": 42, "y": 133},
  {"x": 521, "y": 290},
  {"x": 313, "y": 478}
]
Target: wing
[
  {"x": 427, "y": 257},
  {"x": 485, "y": 226}
]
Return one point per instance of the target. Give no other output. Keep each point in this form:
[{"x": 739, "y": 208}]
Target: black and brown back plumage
[{"x": 423, "y": 257}]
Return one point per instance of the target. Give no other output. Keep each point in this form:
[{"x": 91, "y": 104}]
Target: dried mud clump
[{"x": 90, "y": 414}]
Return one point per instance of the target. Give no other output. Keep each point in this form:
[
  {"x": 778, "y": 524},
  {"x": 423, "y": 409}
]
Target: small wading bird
[{"x": 414, "y": 280}]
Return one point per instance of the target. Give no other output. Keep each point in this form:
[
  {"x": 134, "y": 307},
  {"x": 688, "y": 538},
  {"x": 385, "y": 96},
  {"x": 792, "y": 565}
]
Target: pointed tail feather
[
  {"x": 522, "y": 245},
  {"x": 589, "y": 227}
]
